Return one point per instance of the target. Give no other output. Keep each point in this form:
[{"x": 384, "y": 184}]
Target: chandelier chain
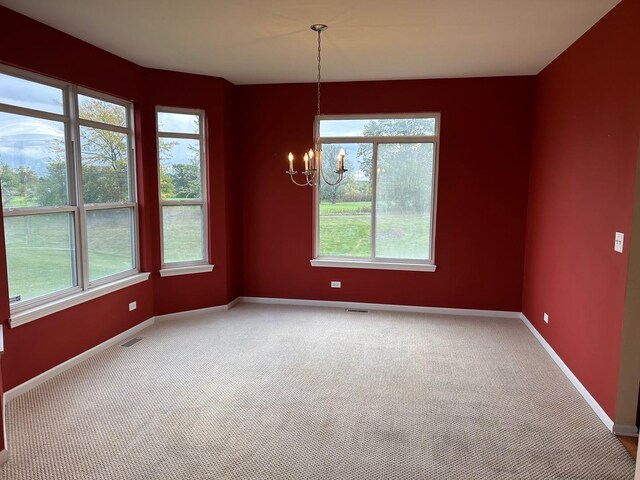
[
  {"x": 313, "y": 170},
  {"x": 319, "y": 51}
]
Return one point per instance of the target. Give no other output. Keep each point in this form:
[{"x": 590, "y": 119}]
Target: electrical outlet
[
  {"x": 335, "y": 284},
  {"x": 133, "y": 306},
  {"x": 546, "y": 318}
]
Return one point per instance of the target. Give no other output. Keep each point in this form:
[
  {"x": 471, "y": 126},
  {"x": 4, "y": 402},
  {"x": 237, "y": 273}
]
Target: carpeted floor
[{"x": 267, "y": 392}]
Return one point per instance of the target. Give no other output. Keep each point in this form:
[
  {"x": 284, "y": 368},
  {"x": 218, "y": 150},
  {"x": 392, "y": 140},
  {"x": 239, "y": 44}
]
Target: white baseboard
[
  {"x": 4, "y": 456},
  {"x": 196, "y": 313},
  {"x": 43, "y": 377},
  {"x": 383, "y": 307},
  {"x": 595, "y": 406}
]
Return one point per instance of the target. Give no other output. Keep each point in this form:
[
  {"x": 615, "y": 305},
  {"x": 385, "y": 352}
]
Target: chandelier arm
[
  {"x": 306, "y": 184},
  {"x": 338, "y": 179},
  {"x": 312, "y": 178}
]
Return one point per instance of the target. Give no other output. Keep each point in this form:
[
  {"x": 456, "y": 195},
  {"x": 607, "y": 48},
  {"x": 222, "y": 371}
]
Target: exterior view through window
[
  {"x": 183, "y": 186},
  {"x": 383, "y": 210},
  {"x": 68, "y": 189}
]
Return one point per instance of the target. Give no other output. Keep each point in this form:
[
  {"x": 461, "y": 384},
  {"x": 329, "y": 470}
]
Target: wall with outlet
[
  {"x": 582, "y": 182},
  {"x": 536, "y": 176},
  {"x": 39, "y": 345},
  {"x": 482, "y": 189}
]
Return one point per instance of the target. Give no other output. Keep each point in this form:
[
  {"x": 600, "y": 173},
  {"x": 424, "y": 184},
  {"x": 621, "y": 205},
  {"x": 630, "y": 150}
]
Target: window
[
  {"x": 68, "y": 188},
  {"x": 183, "y": 191},
  {"x": 382, "y": 214}
]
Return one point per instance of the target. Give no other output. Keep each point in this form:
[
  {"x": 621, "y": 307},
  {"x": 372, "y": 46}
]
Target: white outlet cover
[
  {"x": 546, "y": 318},
  {"x": 133, "y": 306},
  {"x": 618, "y": 246},
  {"x": 335, "y": 284}
]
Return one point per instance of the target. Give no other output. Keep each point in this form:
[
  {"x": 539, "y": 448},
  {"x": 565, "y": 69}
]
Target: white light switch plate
[
  {"x": 618, "y": 246},
  {"x": 335, "y": 284}
]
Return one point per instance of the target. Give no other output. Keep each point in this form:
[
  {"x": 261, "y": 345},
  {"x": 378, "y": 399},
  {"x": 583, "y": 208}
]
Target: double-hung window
[
  {"x": 382, "y": 214},
  {"x": 68, "y": 189},
  {"x": 183, "y": 191}
]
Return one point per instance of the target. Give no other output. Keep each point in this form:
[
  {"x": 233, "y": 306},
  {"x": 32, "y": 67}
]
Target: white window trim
[
  {"x": 377, "y": 263},
  {"x": 28, "y": 310},
  {"x": 200, "y": 266},
  {"x": 175, "y": 271},
  {"x": 39, "y": 311},
  {"x": 373, "y": 264}
]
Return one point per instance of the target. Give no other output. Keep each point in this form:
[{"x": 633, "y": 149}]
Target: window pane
[
  {"x": 403, "y": 200},
  {"x": 28, "y": 94},
  {"x": 33, "y": 166},
  {"x": 345, "y": 210},
  {"x": 110, "y": 239},
  {"x": 179, "y": 168},
  {"x": 40, "y": 254},
  {"x": 178, "y": 122},
  {"x": 378, "y": 127},
  {"x": 101, "y": 111},
  {"x": 182, "y": 233},
  {"x": 105, "y": 165}
]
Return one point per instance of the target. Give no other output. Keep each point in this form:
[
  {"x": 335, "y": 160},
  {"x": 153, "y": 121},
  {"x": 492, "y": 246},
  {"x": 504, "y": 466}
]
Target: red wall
[
  {"x": 585, "y": 139},
  {"x": 482, "y": 184},
  {"x": 585, "y": 145},
  {"x": 180, "y": 293},
  {"x": 34, "y": 348},
  {"x": 40, "y": 345}
]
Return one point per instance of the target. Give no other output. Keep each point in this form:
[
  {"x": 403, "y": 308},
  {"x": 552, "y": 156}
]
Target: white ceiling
[{"x": 269, "y": 41}]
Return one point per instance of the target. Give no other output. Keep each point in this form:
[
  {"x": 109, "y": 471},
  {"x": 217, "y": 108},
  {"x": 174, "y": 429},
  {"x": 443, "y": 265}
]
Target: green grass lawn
[
  {"x": 40, "y": 258},
  {"x": 38, "y": 255},
  {"x": 182, "y": 233},
  {"x": 345, "y": 208},
  {"x": 345, "y": 230}
]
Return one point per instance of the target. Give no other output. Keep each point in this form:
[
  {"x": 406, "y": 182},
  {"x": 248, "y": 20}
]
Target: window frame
[
  {"x": 374, "y": 262},
  {"x": 31, "y": 309},
  {"x": 132, "y": 204},
  {"x": 193, "y": 266}
]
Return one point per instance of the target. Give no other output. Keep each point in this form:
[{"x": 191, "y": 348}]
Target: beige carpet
[{"x": 263, "y": 392}]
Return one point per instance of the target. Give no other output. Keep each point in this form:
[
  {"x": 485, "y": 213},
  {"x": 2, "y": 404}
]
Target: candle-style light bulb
[
  {"x": 306, "y": 162},
  {"x": 290, "y": 162},
  {"x": 341, "y": 156},
  {"x": 311, "y": 158}
]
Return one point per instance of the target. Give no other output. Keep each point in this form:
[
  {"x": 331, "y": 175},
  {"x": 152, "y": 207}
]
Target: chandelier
[{"x": 313, "y": 158}]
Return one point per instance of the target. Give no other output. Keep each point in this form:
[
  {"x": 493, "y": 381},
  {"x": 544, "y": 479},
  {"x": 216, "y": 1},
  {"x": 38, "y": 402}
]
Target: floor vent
[
  {"x": 356, "y": 310},
  {"x": 133, "y": 341}
]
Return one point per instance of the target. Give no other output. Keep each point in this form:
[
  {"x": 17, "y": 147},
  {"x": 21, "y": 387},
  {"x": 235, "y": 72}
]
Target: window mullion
[
  {"x": 203, "y": 191},
  {"x": 374, "y": 182},
  {"x": 102, "y": 126},
  {"x": 81, "y": 226}
]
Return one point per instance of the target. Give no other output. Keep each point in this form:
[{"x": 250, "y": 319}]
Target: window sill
[
  {"x": 26, "y": 316},
  {"x": 373, "y": 265},
  {"x": 173, "y": 271}
]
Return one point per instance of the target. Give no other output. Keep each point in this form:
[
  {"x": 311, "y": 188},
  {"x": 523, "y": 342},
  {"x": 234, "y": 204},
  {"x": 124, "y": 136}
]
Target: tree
[
  {"x": 167, "y": 189},
  {"x": 410, "y": 163},
  {"x": 52, "y": 187},
  {"x": 330, "y": 193},
  {"x": 350, "y": 189},
  {"x": 9, "y": 181},
  {"x": 105, "y": 158}
]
